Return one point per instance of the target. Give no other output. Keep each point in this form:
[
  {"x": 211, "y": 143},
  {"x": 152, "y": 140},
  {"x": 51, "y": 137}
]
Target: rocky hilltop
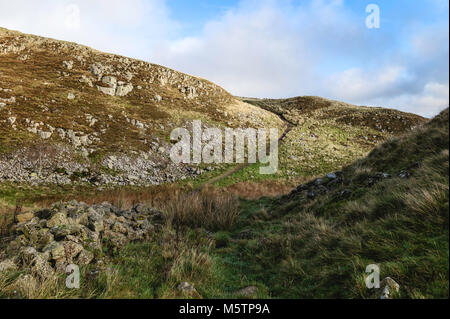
[{"x": 68, "y": 112}]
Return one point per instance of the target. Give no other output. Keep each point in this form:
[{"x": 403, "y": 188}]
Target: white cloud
[
  {"x": 358, "y": 84},
  {"x": 277, "y": 49},
  {"x": 126, "y": 27},
  {"x": 261, "y": 48},
  {"x": 428, "y": 102}
]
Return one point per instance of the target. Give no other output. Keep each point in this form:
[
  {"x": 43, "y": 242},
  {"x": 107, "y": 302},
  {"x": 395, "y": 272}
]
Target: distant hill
[{"x": 326, "y": 134}]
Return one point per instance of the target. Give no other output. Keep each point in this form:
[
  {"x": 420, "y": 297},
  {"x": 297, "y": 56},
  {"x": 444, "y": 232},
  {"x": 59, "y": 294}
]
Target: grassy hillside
[
  {"x": 71, "y": 116},
  {"x": 80, "y": 124},
  {"x": 326, "y": 135},
  {"x": 390, "y": 208}
]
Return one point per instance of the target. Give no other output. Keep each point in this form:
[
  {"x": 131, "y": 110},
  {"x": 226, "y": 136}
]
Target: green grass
[
  {"x": 320, "y": 249},
  {"x": 296, "y": 247},
  {"x": 293, "y": 247}
]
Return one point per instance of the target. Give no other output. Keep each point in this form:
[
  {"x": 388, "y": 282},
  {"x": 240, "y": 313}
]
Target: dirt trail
[{"x": 240, "y": 167}]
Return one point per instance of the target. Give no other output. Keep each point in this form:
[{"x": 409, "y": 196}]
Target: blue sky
[
  {"x": 396, "y": 13},
  {"x": 268, "y": 48},
  {"x": 194, "y": 14}
]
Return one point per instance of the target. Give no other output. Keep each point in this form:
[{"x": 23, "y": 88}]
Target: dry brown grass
[
  {"x": 428, "y": 201},
  {"x": 256, "y": 190},
  {"x": 26, "y": 286},
  {"x": 211, "y": 208},
  {"x": 8, "y": 215},
  {"x": 123, "y": 198}
]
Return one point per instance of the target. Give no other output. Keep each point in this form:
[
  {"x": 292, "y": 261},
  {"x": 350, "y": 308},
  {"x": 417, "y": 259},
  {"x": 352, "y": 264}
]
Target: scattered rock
[
  {"x": 68, "y": 64},
  {"x": 41, "y": 268},
  {"x": 188, "y": 289},
  {"x": 248, "y": 292},
  {"x": 58, "y": 219},
  {"x": 11, "y": 120},
  {"x": 405, "y": 174},
  {"x": 22, "y": 218},
  {"x": 56, "y": 250},
  {"x": 105, "y": 90},
  {"x": 190, "y": 92},
  {"x": 318, "y": 181},
  {"x": 87, "y": 80},
  {"x": 84, "y": 258},
  {"x": 381, "y": 175},
  {"x": 10, "y": 100},
  {"x": 27, "y": 254},
  {"x": 388, "y": 288},
  {"x": 7, "y": 264},
  {"x": 311, "y": 195},
  {"x": 345, "y": 193},
  {"x": 72, "y": 249},
  {"x": 44, "y": 135},
  {"x": 124, "y": 89},
  {"x": 110, "y": 81},
  {"x": 97, "y": 69},
  {"x": 331, "y": 176}
]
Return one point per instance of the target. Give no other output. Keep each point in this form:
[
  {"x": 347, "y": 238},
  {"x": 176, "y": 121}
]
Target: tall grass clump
[{"x": 208, "y": 208}]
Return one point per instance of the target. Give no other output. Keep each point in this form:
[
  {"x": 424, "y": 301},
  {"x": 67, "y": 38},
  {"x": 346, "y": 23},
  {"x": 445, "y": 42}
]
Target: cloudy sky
[{"x": 268, "y": 48}]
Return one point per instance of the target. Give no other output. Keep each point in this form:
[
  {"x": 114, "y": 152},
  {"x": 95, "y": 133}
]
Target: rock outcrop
[
  {"x": 74, "y": 233},
  {"x": 114, "y": 87}
]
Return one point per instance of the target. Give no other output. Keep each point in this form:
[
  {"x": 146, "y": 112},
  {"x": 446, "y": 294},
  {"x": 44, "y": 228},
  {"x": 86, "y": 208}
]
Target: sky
[{"x": 268, "y": 48}]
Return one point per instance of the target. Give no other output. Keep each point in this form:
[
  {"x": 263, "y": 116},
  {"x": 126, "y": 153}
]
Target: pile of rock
[
  {"x": 58, "y": 165},
  {"x": 319, "y": 186},
  {"x": 72, "y": 233},
  {"x": 334, "y": 182}
]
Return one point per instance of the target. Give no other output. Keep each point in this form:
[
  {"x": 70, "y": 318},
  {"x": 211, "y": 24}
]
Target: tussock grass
[
  {"x": 209, "y": 208},
  {"x": 428, "y": 201},
  {"x": 22, "y": 285}
]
